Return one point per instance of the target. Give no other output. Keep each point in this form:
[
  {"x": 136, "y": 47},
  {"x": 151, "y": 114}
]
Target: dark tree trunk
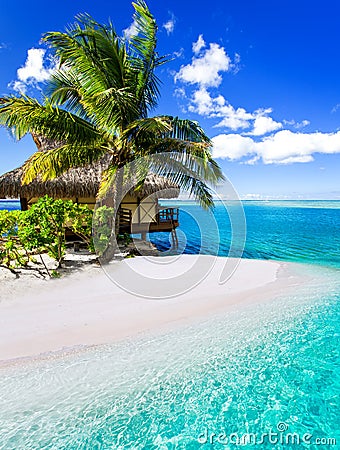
[{"x": 112, "y": 250}]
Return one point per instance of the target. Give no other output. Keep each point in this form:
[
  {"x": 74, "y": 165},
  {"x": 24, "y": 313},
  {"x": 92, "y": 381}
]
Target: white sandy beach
[{"x": 88, "y": 308}]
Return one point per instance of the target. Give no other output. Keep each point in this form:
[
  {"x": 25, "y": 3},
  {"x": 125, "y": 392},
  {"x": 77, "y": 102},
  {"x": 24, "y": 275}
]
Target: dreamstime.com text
[{"x": 280, "y": 435}]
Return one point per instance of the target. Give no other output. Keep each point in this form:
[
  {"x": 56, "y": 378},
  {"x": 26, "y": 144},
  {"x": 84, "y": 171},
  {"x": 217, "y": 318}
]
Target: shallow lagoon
[
  {"x": 248, "y": 371},
  {"x": 272, "y": 367}
]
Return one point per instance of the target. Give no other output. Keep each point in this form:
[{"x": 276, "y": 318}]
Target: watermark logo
[
  {"x": 278, "y": 435},
  {"x": 132, "y": 203}
]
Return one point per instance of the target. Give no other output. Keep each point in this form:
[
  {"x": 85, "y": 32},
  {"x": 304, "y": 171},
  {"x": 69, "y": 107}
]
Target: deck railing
[
  {"x": 168, "y": 215},
  {"x": 125, "y": 217},
  {"x": 164, "y": 216}
]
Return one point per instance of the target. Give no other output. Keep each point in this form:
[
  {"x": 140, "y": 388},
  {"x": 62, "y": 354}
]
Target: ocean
[
  {"x": 296, "y": 231},
  {"x": 10, "y": 205},
  {"x": 299, "y": 231},
  {"x": 261, "y": 376}
]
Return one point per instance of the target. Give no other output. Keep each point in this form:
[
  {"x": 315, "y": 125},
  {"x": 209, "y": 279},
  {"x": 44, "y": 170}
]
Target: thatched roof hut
[{"x": 79, "y": 182}]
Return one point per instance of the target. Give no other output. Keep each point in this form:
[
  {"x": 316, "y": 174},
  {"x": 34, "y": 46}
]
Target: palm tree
[{"x": 98, "y": 103}]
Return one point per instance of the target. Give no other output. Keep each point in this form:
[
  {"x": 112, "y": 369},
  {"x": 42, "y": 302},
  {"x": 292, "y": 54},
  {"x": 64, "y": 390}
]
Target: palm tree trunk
[{"x": 112, "y": 250}]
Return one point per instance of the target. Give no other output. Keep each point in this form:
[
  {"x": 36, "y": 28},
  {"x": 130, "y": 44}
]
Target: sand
[{"x": 88, "y": 308}]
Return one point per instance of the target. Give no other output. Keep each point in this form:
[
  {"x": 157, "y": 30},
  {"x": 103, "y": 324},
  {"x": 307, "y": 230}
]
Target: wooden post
[
  {"x": 23, "y": 204},
  {"x": 174, "y": 238},
  {"x": 138, "y": 209}
]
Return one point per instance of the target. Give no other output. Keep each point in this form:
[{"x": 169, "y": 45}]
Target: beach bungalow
[{"x": 140, "y": 211}]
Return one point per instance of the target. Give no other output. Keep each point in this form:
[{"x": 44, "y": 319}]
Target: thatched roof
[{"x": 80, "y": 182}]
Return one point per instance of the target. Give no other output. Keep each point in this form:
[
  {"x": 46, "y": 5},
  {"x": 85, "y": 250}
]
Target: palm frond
[
  {"x": 106, "y": 81},
  {"x": 107, "y": 182},
  {"x": 112, "y": 109},
  {"x": 64, "y": 89},
  {"x": 195, "y": 155},
  {"x": 97, "y": 55},
  {"x": 25, "y": 114},
  {"x": 146, "y": 59},
  {"x": 144, "y": 131},
  {"x": 177, "y": 172},
  {"x": 53, "y": 163},
  {"x": 187, "y": 130}
]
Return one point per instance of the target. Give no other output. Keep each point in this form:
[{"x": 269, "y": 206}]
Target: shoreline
[{"x": 86, "y": 309}]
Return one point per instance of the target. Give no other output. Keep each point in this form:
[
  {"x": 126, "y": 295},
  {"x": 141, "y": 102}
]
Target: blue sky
[{"x": 261, "y": 77}]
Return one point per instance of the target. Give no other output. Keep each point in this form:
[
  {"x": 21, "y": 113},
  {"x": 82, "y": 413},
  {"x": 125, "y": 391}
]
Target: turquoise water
[
  {"x": 249, "y": 371},
  {"x": 9, "y": 204},
  {"x": 267, "y": 368},
  {"x": 306, "y": 232}
]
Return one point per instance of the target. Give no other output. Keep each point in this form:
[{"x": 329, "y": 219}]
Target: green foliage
[
  {"x": 102, "y": 225},
  {"x": 125, "y": 238},
  {"x": 8, "y": 223},
  {"x": 42, "y": 229},
  {"x": 79, "y": 221},
  {"x": 55, "y": 274},
  {"x": 12, "y": 252}
]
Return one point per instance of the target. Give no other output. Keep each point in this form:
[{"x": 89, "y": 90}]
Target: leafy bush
[
  {"x": 102, "y": 227},
  {"x": 12, "y": 251},
  {"x": 125, "y": 238},
  {"x": 42, "y": 229}
]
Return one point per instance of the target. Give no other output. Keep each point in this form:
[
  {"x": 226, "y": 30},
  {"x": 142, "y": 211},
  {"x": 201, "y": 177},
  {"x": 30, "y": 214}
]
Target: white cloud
[
  {"x": 233, "y": 118},
  {"x": 232, "y": 146},
  {"x": 202, "y": 103},
  {"x": 335, "y": 108},
  {"x": 179, "y": 92},
  {"x": 302, "y": 124},
  {"x": 35, "y": 70},
  {"x": 333, "y": 195},
  {"x": 264, "y": 125},
  {"x": 262, "y": 138},
  {"x": 237, "y": 58},
  {"x": 18, "y": 86},
  {"x": 235, "y": 65},
  {"x": 252, "y": 196},
  {"x": 283, "y": 147},
  {"x": 34, "y": 67},
  {"x": 252, "y": 161},
  {"x": 297, "y": 125},
  {"x": 179, "y": 53},
  {"x": 169, "y": 26},
  {"x": 286, "y": 147},
  {"x": 198, "y": 45},
  {"x": 131, "y": 30},
  {"x": 205, "y": 69}
]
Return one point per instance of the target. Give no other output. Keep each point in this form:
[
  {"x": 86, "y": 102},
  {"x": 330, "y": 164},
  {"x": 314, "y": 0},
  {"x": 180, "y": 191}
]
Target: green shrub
[
  {"x": 102, "y": 227},
  {"x": 42, "y": 229},
  {"x": 12, "y": 251}
]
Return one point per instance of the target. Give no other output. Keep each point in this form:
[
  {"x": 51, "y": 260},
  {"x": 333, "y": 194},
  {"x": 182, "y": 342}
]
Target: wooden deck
[{"x": 166, "y": 219}]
